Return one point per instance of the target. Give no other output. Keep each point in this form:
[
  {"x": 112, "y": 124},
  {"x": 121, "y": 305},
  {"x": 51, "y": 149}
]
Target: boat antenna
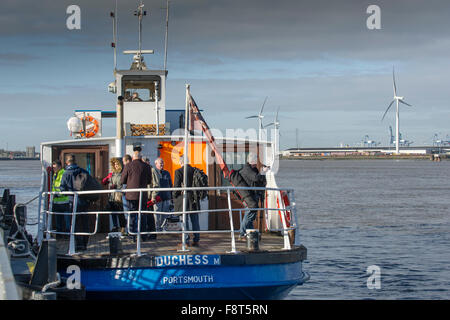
[
  {"x": 140, "y": 13},
  {"x": 167, "y": 35},
  {"x": 114, "y": 43}
]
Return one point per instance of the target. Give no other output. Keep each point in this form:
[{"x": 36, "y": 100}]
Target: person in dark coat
[
  {"x": 191, "y": 205},
  {"x": 252, "y": 178},
  {"x": 137, "y": 174},
  {"x": 165, "y": 181},
  {"x": 82, "y": 220}
]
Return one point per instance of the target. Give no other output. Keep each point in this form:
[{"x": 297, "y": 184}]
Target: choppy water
[
  {"x": 353, "y": 214},
  {"x": 389, "y": 213}
]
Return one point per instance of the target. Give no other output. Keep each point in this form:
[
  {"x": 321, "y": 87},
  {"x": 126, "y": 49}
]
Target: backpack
[
  {"x": 83, "y": 181},
  {"x": 200, "y": 180}
]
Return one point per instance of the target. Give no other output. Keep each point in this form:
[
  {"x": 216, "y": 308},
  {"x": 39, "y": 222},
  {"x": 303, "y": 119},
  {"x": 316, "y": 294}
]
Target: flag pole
[{"x": 186, "y": 146}]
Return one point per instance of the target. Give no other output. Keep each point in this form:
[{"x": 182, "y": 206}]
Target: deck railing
[{"x": 47, "y": 213}]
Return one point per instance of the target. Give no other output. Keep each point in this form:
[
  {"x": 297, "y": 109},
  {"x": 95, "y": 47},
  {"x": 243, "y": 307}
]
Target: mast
[
  {"x": 114, "y": 44},
  {"x": 140, "y": 13},
  {"x": 167, "y": 36},
  {"x": 186, "y": 146}
]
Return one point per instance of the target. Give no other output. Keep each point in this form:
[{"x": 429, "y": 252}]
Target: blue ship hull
[{"x": 265, "y": 281}]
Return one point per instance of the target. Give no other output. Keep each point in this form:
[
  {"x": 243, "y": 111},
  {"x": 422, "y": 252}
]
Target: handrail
[
  {"x": 166, "y": 189},
  {"x": 140, "y": 211}
]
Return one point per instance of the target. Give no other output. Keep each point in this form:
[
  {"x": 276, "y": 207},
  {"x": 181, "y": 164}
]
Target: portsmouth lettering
[
  {"x": 174, "y": 280},
  {"x": 187, "y": 260}
]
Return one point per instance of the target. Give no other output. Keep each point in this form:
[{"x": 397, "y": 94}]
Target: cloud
[{"x": 316, "y": 60}]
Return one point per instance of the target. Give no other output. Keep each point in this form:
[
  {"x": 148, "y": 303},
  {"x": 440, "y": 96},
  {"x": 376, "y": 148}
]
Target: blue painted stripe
[{"x": 188, "y": 277}]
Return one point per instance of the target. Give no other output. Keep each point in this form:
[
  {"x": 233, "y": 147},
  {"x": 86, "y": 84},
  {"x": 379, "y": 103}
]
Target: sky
[{"x": 330, "y": 75}]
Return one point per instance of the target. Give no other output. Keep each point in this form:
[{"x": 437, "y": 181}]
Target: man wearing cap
[{"x": 253, "y": 178}]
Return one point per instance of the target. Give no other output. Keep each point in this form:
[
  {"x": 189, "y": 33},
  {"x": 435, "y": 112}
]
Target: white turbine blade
[
  {"x": 405, "y": 103},
  {"x": 387, "y": 109},
  {"x": 276, "y": 117},
  {"x": 251, "y": 117},
  {"x": 268, "y": 125},
  {"x": 262, "y": 108},
  {"x": 393, "y": 80}
]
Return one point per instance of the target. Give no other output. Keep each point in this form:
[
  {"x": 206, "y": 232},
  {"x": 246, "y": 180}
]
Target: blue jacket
[
  {"x": 67, "y": 181},
  {"x": 165, "y": 181}
]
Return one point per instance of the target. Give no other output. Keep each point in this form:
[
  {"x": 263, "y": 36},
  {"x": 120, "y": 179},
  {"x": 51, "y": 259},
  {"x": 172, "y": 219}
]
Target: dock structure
[
  {"x": 8, "y": 287},
  {"x": 424, "y": 151}
]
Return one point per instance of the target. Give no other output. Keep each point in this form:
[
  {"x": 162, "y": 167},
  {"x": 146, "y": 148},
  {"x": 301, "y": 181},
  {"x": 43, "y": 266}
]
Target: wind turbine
[
  {"x": 396, "y": 99},
  {"x": 260, "y": 117},
  {"x": 276, "y": 125}
]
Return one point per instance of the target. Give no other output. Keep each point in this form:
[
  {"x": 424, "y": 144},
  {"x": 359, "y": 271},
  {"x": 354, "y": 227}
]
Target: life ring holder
[{"x": 91, "y": 131}]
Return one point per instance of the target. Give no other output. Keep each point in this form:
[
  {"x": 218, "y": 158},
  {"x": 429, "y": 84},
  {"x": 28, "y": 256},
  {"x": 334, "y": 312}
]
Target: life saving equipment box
[{"x": 92, "y": 124}]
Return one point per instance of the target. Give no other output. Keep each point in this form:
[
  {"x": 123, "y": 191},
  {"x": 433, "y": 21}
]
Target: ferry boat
[{"x": 221, "y": 267}]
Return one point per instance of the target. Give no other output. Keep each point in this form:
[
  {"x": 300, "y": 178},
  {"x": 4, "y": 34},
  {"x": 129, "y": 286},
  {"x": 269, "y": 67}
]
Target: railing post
[
  {"x": 138, "y": 239},
  {"x": 287, "y": 244},
  {"x": 72, "y": 226},
  {"x": 49, "y": 217},
  {"x": 230, "y": 212}
]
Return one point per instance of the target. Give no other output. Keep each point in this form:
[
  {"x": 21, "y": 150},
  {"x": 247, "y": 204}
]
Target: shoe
[{"x": 242, "y": 238}]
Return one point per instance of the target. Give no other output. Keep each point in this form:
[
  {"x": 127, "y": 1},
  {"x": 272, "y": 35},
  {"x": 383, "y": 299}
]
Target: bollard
[
  {"x": 115, "y": 243},
  {"x": 38, "y": 295},
  {"x": 252, "y": 239}
]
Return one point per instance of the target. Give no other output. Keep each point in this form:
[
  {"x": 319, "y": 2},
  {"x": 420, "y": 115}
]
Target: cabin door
[{"x": 95, "y": 160}]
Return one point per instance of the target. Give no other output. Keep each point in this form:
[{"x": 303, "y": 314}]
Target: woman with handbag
[{"x": 115, "y": 198}]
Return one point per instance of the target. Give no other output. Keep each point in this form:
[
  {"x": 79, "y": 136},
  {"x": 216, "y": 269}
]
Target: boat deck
[{"x": 168, "y": 244}]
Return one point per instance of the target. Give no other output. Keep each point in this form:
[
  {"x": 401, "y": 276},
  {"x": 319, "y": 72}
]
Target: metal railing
[{"x": 48, "y": 213}]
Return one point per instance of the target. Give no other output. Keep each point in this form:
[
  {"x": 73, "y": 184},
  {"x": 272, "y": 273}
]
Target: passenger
[
  {"x": 135, "y": 97},
  {"x": 127, "y": 96},
  {"x": 252, "y": 178},
  {"x": 165, "y": 205},
  {"x": 137, "y": 174},
  {"x": 115, "y": 199},
  {"x": 126, "y": 160},
  {"x": 153, "y": 196},
  {"x": 61, "y": 202},
  {"x": 82, "y": 220},
  {"x": 191, "y": 204}
]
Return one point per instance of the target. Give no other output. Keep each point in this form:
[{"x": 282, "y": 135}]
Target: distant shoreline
[
  {"x": 364, "y": 157},
  {"x": 8, "y": 159}
]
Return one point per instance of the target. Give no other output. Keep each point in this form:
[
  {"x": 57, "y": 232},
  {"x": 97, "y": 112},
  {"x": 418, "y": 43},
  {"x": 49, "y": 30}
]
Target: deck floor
[{"x": 167, "y": 244}]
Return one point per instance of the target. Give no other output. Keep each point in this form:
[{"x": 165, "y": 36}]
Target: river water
[{"x": 393, "y": 214}]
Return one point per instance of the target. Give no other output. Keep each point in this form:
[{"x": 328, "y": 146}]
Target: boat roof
[{"x": 168, "y": 137}]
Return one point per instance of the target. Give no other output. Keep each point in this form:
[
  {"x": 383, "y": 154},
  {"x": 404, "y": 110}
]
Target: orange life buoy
[
  {"x": 286, "y": 202},
  {"x": 92, "y": 130}
]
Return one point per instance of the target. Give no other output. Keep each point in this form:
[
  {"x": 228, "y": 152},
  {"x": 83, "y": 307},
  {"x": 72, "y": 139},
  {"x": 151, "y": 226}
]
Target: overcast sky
[{"x": 330, "y": 75}]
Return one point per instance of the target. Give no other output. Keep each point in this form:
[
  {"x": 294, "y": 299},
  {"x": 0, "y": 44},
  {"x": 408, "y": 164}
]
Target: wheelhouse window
[{"x": 141, "y": 90}]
